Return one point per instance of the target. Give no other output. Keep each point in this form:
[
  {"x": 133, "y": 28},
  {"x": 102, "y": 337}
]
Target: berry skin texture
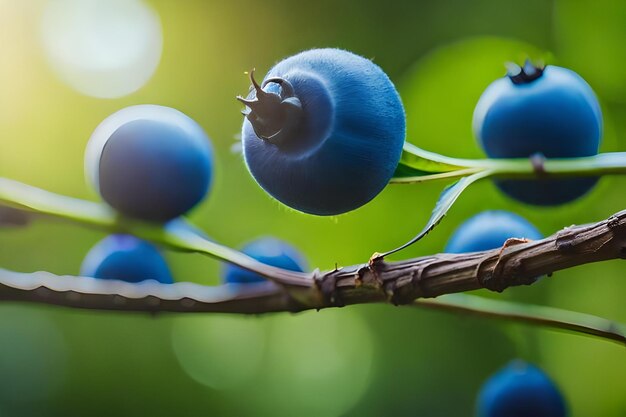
[
  {"x": 270, "y": 251},
  {"x": 150, "y": 162},
  {"x": 489, "y": 230},
  {"x": 520, "y": 390},
  {"x": 553, "y": 112},
  {"x": 126, "y": 258},
  {"x": 324, "y": 132}
]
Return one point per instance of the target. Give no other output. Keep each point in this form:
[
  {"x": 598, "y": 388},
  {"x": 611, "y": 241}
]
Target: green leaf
[
  {"x": 445, "y": 202},
  {"x": 417, "y": 160},
  {"x": 405, "y": 171}
]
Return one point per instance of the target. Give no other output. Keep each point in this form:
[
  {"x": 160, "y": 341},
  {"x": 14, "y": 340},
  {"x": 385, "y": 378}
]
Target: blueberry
[
  {"x": 270, "y": 251},
  {"x": 520, "y": 390},
  {"x": 150, "y": 162},
  {"x": 489, "y": 230},
  {"x": 550, "y": 111},
  {"x": 126, "y": 258},
  {"x": 324, "y": 132}
]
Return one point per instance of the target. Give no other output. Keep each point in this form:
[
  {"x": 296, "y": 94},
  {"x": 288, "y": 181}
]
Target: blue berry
[
  {"x": 489, "y": 230},
  {"x": 550, "y": 111},
  {"x": 520, "y": 390},
  {"x": 324, "y": 132},
  {"x": 126, "y": 258},
  {"x": 270, "y": 251},
  {"x": 150, "y": 162}
]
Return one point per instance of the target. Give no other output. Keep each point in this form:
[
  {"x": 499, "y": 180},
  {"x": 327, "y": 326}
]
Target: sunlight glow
[{"x": 102, "y": 48}]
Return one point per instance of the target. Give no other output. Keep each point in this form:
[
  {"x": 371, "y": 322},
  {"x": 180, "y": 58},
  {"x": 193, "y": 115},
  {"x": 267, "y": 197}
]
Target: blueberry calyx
[
  {"x": 273, "y": 116},
  {"x": 526, "y": 74}
]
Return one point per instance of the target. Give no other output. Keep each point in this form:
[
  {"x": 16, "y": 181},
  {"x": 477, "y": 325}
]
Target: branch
[
  {"x": 152, "y": 297},
  {"x": 516, "y": 263}
]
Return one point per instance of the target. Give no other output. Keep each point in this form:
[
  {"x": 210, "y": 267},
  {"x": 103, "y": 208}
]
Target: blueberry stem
[{"x": 418, "y": 165}]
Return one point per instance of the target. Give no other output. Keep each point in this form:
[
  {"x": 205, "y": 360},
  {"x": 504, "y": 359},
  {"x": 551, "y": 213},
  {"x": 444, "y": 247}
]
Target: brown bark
[{"x": 516, "y": 263}]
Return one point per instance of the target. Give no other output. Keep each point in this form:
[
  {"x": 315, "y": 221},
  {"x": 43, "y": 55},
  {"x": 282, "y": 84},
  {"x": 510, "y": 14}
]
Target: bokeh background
[{"x": 65, "y": 65}]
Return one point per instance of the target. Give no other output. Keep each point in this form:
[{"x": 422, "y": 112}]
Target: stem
[
  {"x": 262, "y": 298},
  {"x": 449, "y": 168},
  {"x": 460, "y": 173},
  {"x": 445, "y": 202},
  {"x": 100, "y": 216},
  {"x": 530, "y": 314}
]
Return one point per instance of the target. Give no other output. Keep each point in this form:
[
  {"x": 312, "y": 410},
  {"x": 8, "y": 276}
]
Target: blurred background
[{"x": 65, "y": 65}]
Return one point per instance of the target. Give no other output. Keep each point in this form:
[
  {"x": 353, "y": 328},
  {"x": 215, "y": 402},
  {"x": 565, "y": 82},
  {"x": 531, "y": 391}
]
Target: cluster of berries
[
  {"x": 154, "y": 163},
  {"x": 323, "y": 133}
]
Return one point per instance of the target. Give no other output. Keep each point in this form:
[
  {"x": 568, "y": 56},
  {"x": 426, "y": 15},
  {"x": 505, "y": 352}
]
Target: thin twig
[{"x": 551, "y": 317}]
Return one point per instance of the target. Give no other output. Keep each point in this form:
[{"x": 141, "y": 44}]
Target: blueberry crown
[
  {"x": 526, "y": 74},
  {"x": 273, "y": 116}
]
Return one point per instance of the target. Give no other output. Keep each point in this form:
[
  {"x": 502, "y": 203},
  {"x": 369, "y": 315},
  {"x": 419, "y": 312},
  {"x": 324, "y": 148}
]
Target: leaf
[
  {"x": 405, "y": 171},
  {"x": 417, "y": 162},
  {"x": 446, "y": 199}
]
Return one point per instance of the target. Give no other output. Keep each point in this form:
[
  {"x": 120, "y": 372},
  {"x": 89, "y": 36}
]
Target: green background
[{"x": 358, "y": 361}]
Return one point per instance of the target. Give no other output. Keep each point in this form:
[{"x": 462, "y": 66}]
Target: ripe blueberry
[
  {"x": 520, "y": 390},
  {"x": 324, "y": 132},
  {"x": 489, "y": 230},
  {"x": 551, "y": 111},
  {"x": 126, "y": 258},
  {"x": 270, "y": 251},
  {"x": 150, "y": 162}
]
